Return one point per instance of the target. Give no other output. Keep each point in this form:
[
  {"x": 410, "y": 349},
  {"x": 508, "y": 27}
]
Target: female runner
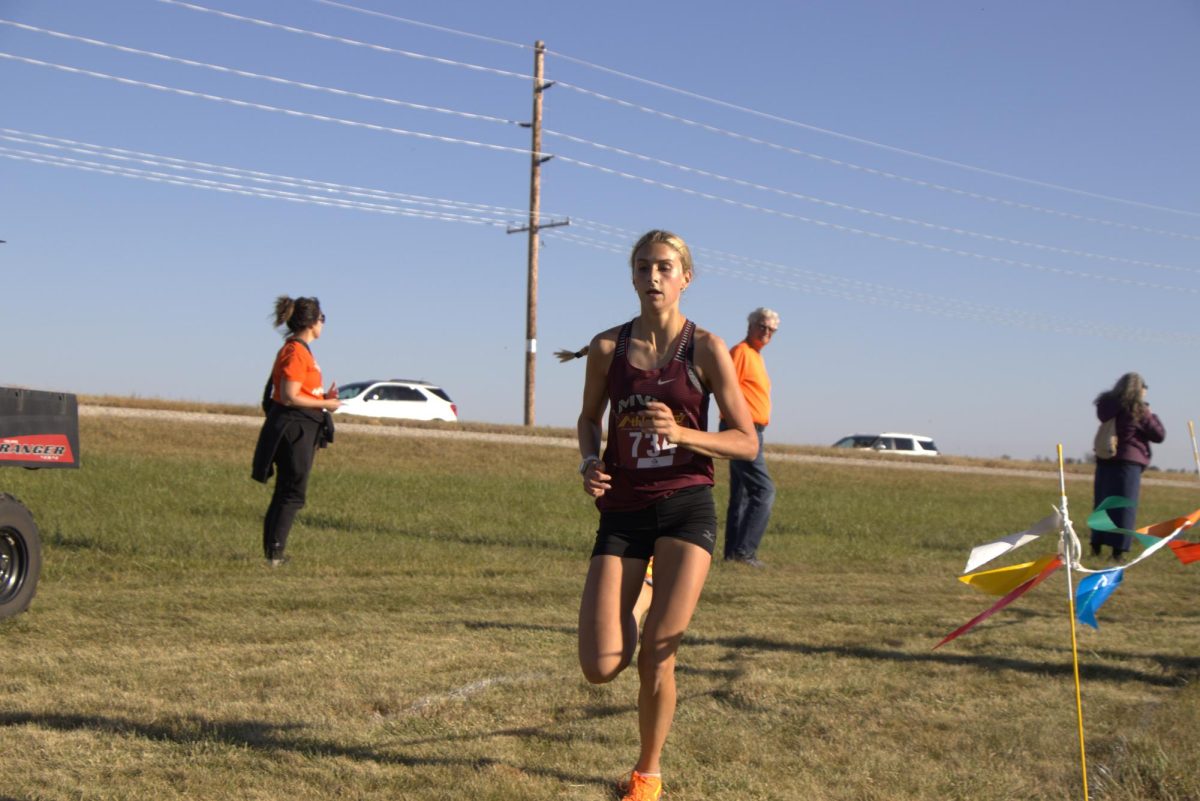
[{"x": 653, "y": 486}]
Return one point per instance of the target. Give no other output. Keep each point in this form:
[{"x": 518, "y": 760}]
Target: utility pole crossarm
[{"x": 518, "y": 229}]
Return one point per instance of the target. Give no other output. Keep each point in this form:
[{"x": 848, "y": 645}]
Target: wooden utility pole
[{"x": 535, "y": 212}]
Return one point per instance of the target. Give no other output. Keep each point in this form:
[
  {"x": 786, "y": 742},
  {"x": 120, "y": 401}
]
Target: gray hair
[
  {"x": 764, "y": 315},
  {"x": 1127, "y": 392}
]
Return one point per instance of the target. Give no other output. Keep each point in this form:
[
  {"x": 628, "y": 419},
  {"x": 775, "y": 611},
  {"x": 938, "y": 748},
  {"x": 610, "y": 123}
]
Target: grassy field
[{"x": 421, "y": 644}]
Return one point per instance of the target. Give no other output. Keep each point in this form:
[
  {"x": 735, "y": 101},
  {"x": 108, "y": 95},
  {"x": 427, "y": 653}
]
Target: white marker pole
[{"x": 1195, "y": 453}]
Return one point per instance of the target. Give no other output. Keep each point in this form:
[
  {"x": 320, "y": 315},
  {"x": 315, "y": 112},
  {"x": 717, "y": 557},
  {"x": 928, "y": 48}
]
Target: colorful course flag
[
  {"x": 1003, "y": 580},
  {"x": 1185, "y": 552},
  {"x": 1054, "y": 564},
  {"x": 1169, "y": 527},
  {"x": 1093, "y": 592},
  {"x": 1099, "y": 519},
  {"x": 982, "y": 554}
]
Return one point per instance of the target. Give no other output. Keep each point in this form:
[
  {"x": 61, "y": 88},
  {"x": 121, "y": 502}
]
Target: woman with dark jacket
[
  {"x": 1136, "y": 428},
  {"x": 296, "y": 420}
]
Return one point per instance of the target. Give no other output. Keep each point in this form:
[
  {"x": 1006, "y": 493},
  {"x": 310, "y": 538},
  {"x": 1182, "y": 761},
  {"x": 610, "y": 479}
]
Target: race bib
[{"x": 643, "y": 450}]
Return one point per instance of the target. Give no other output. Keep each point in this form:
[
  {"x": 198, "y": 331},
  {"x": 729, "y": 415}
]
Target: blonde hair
[{"x": 674, "y": 241}]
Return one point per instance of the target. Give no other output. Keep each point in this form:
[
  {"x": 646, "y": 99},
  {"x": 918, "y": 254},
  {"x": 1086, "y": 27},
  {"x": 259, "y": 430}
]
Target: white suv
[
  {"x": 397, "y": 398},
  {"x": 891, "y": 442}
]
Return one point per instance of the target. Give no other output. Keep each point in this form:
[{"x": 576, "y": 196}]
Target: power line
[
  {"x": 260, "y": 76},
  {"x": 869, "y": 212},
  {"x": 216, "y": 186},
  {"x": 775, "y": 118},
  {"x": 606, "y": 170},
  {"x": 795, "y": 278},
  {"x": 419, "y": 24},
  {"x": 942, "y": 307},
  {"x": 947, "y": 309},
  {"x": 344, "y": 40},
  {"x": 601, "y": 146},
  {"x": 206, "y": 168},
  {"x": 872, "y": 143},
  {"x": 261, "y": 106},
  {"x": 709, "y": 254},
  {"x": 873, "y": 234},
  {"x": 765, "y": 115},
  {"x": 957, "y": 191}
]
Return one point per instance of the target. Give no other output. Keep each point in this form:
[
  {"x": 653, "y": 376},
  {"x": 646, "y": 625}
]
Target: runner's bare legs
[
  {"x": 680, "y": 569},
  {"x": 607, "y": 629}
]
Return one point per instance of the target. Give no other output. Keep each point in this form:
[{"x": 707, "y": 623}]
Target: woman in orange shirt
[{"x": 296, "y": 421}]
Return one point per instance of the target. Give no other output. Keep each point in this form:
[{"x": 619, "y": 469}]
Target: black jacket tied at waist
[{"x": 279, "y": 417}]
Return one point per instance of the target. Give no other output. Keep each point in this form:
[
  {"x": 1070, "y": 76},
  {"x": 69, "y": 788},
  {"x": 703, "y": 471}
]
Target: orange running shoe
[{"x": 640, "y": 787}]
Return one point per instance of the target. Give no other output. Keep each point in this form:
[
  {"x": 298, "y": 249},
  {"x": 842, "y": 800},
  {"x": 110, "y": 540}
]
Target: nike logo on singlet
[{"x": 668, "y": 381}]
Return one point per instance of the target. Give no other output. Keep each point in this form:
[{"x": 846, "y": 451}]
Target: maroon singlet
[{"x": 643, "y": 466}]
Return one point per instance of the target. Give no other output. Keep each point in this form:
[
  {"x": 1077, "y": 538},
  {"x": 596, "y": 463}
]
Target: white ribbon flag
[{"x": 982, "y": 554}]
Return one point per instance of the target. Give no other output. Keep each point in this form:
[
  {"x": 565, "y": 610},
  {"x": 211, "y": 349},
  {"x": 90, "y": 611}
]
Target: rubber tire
[{"x": 20, "y": 557}]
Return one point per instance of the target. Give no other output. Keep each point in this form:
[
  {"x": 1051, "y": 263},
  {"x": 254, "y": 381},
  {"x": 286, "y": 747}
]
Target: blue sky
[{"x": 971, "y": 217}]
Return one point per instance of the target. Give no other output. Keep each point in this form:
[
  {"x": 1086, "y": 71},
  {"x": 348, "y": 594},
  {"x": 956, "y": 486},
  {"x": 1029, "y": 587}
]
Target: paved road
[{"x": 566, "y": 442}]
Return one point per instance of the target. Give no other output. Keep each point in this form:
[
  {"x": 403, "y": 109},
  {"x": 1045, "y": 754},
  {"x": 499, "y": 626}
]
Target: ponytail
[
  {"x": 284, "y": 306},
  {"x": 296, "y": 313}
]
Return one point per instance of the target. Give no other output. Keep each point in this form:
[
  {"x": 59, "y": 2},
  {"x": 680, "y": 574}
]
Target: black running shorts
[{"x": 689, "y": 515}]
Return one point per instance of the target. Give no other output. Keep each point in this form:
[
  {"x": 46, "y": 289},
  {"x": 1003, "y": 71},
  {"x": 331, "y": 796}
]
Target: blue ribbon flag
[{"x": 1093, "y": 592}]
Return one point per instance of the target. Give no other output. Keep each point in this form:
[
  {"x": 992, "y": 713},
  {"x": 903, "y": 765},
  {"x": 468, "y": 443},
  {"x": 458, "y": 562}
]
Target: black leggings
[{"x": 293, "y": 462}]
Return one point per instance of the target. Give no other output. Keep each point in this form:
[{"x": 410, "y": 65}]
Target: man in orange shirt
[{"x": 751, "y": 491}]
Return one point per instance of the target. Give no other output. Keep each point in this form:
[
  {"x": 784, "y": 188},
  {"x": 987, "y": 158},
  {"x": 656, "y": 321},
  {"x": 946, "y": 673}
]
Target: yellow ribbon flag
[{"x": 1004, "y": 580}]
